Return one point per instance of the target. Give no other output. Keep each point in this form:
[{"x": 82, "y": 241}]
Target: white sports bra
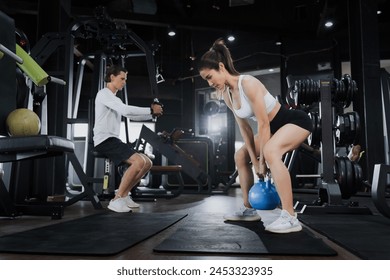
[{"x": 245, "y": 110}]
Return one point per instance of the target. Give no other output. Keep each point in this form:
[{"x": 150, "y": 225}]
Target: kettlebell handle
[{"x": 262, "y": 177}]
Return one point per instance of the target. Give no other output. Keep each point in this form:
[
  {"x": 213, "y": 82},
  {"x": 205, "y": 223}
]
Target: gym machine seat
[{"x": 14, "y": 149}]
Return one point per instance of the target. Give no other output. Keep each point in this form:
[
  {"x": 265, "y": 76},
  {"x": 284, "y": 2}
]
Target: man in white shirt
[{"x": 109, "y": 110}]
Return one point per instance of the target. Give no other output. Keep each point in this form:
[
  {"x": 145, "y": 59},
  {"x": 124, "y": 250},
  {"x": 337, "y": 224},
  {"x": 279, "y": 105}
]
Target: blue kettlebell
[{"x": 263, "y": 195}]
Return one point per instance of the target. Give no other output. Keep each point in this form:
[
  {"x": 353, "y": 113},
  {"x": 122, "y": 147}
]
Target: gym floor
[{"x": 183, "y": 204}]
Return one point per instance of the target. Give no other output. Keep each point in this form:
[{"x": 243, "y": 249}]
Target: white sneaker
[
  {"x": 118, "y": 205},
  {"x": 130, "y": 203},
  {"x": 285, "y": 224},
  {"x": 245, "y": 214}
]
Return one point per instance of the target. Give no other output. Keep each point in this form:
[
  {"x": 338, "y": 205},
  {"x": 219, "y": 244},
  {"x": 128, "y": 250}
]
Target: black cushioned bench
[{"x": 40, "y": 146}]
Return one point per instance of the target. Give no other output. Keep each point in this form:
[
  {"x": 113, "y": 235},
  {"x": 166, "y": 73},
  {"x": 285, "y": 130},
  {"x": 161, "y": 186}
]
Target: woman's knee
[
  {"x": 270, "y": 153},
  {"x": 241, "y": 158}
]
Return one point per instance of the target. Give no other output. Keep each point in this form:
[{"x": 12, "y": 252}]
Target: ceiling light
[
  {"x": 231, "y": 38},
  {"x": 171, "y": 31},
  {"x": 378, "y": 12},
  {"x": 216, "y": 6},
  {"x": 328, "y": 24}
]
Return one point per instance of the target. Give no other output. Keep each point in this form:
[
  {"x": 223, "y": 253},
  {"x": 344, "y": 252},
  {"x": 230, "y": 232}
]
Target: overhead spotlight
[
  {"x": 278, "y": 43},
  {"x": 216, "y": 6},
  {"x": 378, "y": 12},
  {"x": 231, "y": 38},
  {"x": 328, "y": 24},
  {"x": 171, "y": 31}
]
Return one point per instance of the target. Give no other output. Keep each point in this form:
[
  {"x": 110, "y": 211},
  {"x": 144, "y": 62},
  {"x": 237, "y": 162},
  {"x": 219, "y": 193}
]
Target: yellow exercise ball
[{"x": 23, "y": 122}]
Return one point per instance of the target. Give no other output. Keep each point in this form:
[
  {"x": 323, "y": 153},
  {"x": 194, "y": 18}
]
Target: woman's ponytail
[{"x": 218, "y": 53}]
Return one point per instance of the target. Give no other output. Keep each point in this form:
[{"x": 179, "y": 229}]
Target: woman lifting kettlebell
[{"x": 279, "y": 131}]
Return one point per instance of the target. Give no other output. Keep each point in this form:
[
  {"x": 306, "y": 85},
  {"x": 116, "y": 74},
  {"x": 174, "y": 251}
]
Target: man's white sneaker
[
  {"x": 129, "y": 201},
  {"x": 245, "y": 214},
  {"x": 285, "y": 224}
]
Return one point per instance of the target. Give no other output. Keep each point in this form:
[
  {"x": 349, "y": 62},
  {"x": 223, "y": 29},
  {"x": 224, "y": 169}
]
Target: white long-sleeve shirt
[{"x": 109, "y": 110}]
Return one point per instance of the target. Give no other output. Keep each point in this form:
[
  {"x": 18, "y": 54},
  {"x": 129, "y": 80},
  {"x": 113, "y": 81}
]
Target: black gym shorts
[
  {"x": 285, "y": 116},
  {"x": 114, "y": 149}
]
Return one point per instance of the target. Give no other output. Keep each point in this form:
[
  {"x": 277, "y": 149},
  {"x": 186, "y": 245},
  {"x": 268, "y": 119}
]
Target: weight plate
[
  {"x": 351, "y": 189},
  {"x": 347, "y": 131},
  {"x": 340, "y": 130},
  {"x": 351, "y": 117},
  {"x": 341, "y": 176},
  {"x": 357, "y": 127},
  {"x": 312, "y": 93},
  {"x": 358, "y": 176}
]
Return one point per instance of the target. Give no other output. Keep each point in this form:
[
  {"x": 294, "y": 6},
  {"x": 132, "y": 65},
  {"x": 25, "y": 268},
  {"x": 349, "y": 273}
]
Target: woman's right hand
[{"x": 262, "y": 169}]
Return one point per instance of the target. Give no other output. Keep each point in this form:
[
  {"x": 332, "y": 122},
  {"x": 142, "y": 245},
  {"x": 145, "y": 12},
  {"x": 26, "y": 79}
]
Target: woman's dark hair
[
  {"x": 113, "y": 70},
  {"x": 218, "y": 53}
]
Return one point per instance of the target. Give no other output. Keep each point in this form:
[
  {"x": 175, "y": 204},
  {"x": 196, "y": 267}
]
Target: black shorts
[
  {"x": 114, "y": 149},
  {"x": 297, "y": 117}
]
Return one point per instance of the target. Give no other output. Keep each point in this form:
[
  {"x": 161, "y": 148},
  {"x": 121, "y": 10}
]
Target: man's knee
[{"x": 148, "y": 163}]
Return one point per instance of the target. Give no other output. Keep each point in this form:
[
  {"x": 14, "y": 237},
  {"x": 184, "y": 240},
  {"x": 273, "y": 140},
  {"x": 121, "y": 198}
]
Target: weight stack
[{"x": 201, "y": 150}]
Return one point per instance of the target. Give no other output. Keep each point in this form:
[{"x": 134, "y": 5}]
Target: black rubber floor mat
[
  {"x": 367, "y": 236},
  {"x": 107, "y": 233},
  {"x": 208, "y": 233}
]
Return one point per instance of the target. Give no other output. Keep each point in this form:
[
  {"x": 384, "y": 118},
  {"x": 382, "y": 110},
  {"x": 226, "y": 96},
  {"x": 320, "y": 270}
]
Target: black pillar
[
  {"x": 54, "y": 16},
  {"x": 365, "y": 70},
  {"x": 50, "y": 173},
  {"x": 8, "y": 71}
]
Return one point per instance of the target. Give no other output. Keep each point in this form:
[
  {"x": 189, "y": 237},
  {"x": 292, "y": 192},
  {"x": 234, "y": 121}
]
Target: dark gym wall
[
  {"x": 8, "y": 71},
  {"x": 302, "y": 60}
]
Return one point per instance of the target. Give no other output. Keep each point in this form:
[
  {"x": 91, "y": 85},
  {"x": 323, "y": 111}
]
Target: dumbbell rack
[{"x": 329, "y": 189}]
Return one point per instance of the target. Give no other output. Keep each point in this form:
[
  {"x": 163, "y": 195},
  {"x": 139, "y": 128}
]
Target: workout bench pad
[{"x": 16, "y": 148}]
